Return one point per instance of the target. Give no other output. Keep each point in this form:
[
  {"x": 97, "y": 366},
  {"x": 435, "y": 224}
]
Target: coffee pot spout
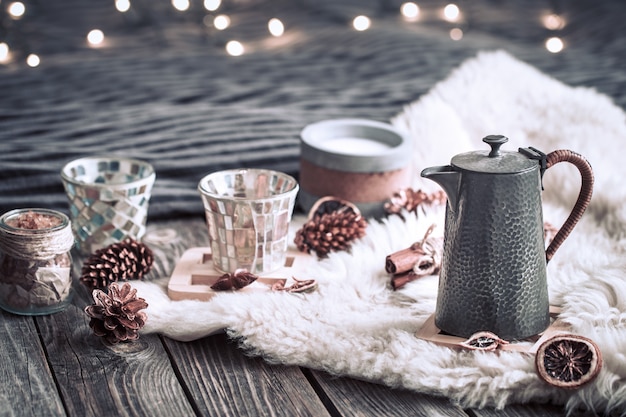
[{"x": 448, "y": 179}]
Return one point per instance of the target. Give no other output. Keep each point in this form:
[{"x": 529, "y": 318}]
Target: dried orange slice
[{"x": 568, "y": 361}]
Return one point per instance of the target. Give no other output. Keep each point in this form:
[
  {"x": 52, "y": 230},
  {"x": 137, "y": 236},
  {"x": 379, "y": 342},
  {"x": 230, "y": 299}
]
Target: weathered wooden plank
[
  {"x": 351, "y": 397},
  {"x": 27, "y": 387},
  {"x": 95, "y": 379},
  {"x": 223, "y": 381},
  {"x": 518, "y": 410}
]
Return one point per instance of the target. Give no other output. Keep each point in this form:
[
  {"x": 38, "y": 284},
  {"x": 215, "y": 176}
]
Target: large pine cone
[
  {"x": 116, "y": 316},
  {"x": 334, "y": 231},
  {"x": 121, "y": 261}
]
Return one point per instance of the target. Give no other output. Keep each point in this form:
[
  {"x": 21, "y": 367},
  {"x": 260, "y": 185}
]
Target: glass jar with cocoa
[{"x": 35, "y": 261}]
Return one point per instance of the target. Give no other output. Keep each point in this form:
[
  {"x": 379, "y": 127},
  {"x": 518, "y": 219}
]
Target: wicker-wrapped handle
[{"x": 584, "y": 197}]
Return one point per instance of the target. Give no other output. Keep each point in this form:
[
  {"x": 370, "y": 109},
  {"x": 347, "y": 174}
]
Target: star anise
[{"x": 234, "y": 281}]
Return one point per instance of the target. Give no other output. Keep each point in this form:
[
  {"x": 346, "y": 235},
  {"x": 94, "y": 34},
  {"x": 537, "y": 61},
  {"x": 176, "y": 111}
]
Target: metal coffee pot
[{"x": 493, "y": 271}]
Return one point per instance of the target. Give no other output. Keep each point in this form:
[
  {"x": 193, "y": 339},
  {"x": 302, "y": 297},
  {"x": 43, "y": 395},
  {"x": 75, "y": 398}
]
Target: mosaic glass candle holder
[
  {"x": 248, "y": 213},
  {"x": 108, "y": 199}
]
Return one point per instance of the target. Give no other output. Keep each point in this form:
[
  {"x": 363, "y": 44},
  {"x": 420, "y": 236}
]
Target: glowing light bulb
[
  {"x": 234, "y": 48},
  {"x": 4, "y": 52},
  {"x": 122, "y": 5},
  {"x": 410, "y": 10},
  {"x": 212, "y": 5},
  {"x": 221, "y": 22},
  {"x": 276, "y": 27},
  {"x": 16, "y": 9},
  {"x": 451, "y": 12},
  {"x": 33, "y": 60},
  {"x": 554, "y": 45},
  {"x": 456, "y": 34},
  {"x": 95, "y": 37},
  {"x": 180, "y": 5},
  {"x": 361, "y": 23},
  {"x": 553, "y": 22}
]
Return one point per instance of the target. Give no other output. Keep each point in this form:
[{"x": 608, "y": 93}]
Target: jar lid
[
  {"x": 494, "y": 161},
  {"x": 355, "y": 145}
]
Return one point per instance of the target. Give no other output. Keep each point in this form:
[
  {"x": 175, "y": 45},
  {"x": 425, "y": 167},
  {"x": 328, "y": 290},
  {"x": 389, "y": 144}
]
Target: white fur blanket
[{"x": 356, "y": 325}]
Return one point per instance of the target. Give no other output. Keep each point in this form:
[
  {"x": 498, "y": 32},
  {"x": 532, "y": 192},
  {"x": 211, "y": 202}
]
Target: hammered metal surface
[{"x": 493, "y": 273}]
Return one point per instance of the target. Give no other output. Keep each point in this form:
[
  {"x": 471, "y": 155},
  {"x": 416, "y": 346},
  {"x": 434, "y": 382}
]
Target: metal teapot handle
[{"x": 584, "y": 197}]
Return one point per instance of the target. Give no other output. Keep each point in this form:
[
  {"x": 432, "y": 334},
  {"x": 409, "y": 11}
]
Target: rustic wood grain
[
  {"x": 95, "y": 379},
  {"x": 27, "y": 387},
  {"x": 54, "y": 365},
  {"x": 518, "y": 410},
  {"x": 351, "y": 397},
  {"x": 223, "y": 381}
]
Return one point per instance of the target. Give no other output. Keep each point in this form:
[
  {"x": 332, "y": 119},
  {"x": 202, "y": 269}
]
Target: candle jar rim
[
  {"x": 397, "y": 156},
  {"x": 65, "y": 221},
  {"x": 293, "y": 185},
  {"x": 147, "y": 176}
]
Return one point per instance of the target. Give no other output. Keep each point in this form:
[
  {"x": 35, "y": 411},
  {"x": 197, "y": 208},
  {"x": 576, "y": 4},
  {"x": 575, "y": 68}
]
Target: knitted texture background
[{"x": 162, "y": 89}]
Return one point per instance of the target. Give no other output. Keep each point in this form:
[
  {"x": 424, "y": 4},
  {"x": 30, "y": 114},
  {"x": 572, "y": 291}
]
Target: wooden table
[{"x": 54, "y": 366}]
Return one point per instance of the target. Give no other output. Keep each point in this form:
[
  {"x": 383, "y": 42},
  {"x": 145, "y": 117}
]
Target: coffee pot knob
[{"x": 495, "y": 141}]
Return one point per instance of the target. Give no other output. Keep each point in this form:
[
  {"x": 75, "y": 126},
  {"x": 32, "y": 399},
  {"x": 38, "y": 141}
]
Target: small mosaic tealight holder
[
  {"x": 35, "y": 261},
  {"x": 108, "y": 198},
  {"x": 248, "y": 213}
]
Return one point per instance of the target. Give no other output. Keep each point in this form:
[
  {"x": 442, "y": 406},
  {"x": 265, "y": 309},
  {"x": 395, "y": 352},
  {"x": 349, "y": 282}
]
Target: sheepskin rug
[{"x": 354, "y": 324}]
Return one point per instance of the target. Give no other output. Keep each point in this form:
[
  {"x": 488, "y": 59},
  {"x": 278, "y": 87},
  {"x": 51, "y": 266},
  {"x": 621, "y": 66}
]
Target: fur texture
[{"x": 355, "y": 325}]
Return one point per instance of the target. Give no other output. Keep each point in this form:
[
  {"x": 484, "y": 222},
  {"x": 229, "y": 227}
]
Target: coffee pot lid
[{"x": 494, "y": 161}]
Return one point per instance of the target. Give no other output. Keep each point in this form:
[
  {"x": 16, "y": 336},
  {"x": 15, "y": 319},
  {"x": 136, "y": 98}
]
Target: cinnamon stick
[
  {"x": 404, "y": 260},
  {"x": 418, "y": 260},
  {"x": 400, "y": 280}
]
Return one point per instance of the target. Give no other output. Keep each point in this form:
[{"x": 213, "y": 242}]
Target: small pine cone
[
  {"x": 116, "y": 316},
  {"x": 121, "y": 261},
  {"x": 411, "y": 200},
  {"x": 334, "y": 231}
]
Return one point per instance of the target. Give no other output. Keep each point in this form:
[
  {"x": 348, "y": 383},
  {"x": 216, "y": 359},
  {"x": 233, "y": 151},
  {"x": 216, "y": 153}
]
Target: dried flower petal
[
  {"x": 485, "y": 341},
  {"x": 298, "y": 286}
]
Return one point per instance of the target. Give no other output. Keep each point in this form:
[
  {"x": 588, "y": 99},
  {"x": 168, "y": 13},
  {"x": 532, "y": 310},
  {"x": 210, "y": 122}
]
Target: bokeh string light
[
  {"x": 275, "y": 27},
  {"x": 212, "y": 5},
  {"x": 16, "y": 10},
  {"x": 95, "y": 38},
  {"x": 4, "y": 52},
  {"x": 409, "y": 11},
  {"x": 122, "y": 5},
  {"x": 361, "y": 23}
]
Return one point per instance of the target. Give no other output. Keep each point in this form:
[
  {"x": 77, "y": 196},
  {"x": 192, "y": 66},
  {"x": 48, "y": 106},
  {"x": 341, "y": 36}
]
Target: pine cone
[
  {"x": 121, "y": 261},
  {"x": 410, "y": 200},
  {"x": 333, "y": 231},
  {"x": 116, "y": 316}
]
